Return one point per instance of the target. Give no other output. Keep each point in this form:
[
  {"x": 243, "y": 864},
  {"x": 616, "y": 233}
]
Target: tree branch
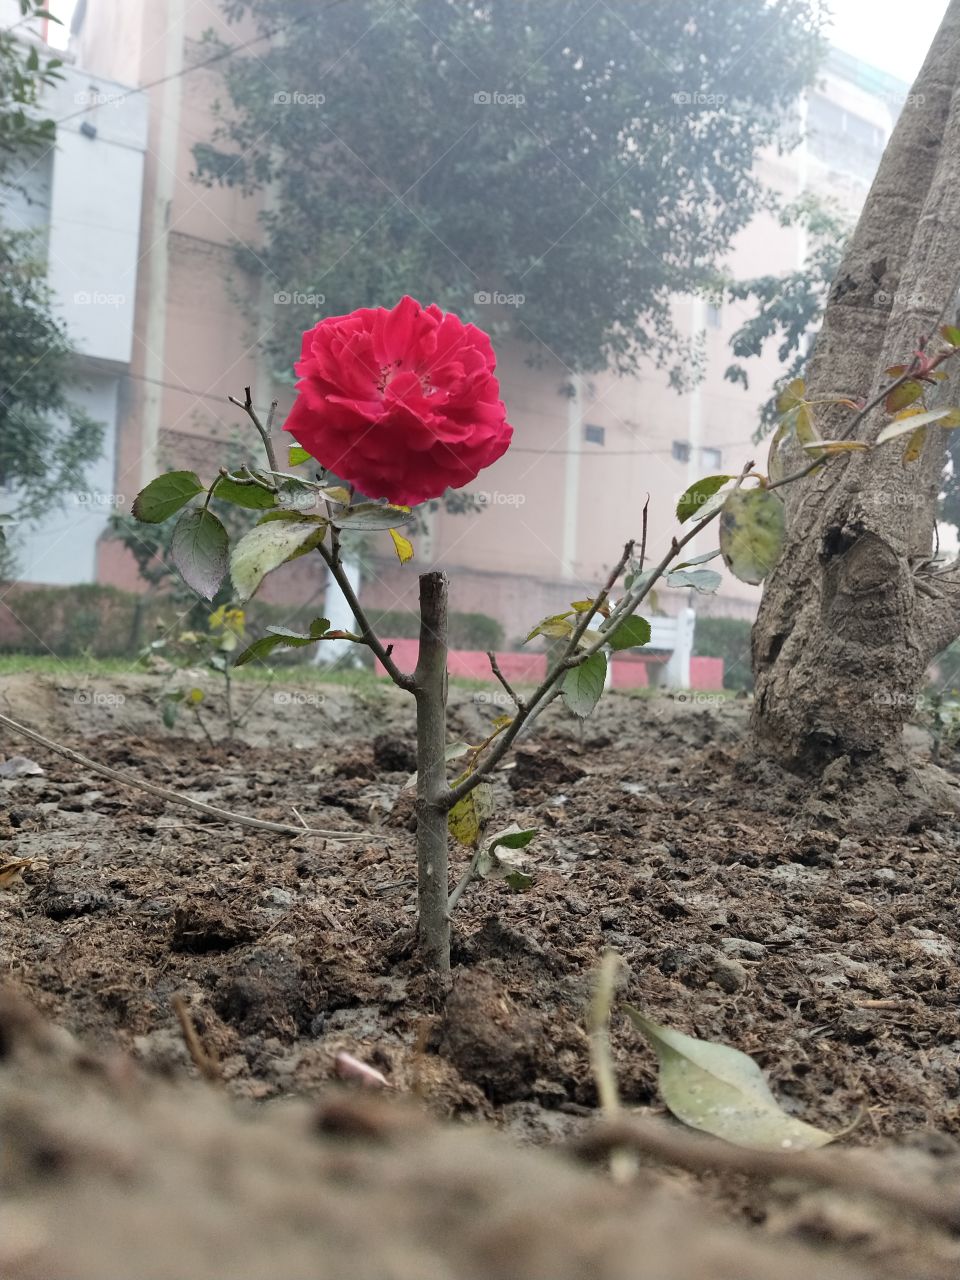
[
  {"x": 369, "y": 636},
  {"x": 495, "y": 668},
  {"x": 264, "y": 431}
]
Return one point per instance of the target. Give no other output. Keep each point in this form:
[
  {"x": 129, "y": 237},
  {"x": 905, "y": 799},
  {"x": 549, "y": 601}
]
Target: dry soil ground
[{"x": 745, "y": 909}]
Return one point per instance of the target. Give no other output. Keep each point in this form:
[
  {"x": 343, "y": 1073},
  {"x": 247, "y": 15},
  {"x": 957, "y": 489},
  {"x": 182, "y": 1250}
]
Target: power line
[{"x": 195, "y": 66}]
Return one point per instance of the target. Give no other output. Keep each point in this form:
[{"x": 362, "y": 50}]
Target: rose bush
[{"x": 402, "y": 403}]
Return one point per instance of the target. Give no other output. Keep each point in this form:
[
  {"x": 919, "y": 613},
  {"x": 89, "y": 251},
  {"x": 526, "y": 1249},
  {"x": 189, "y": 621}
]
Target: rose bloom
[{"x": 401, "y": 403}]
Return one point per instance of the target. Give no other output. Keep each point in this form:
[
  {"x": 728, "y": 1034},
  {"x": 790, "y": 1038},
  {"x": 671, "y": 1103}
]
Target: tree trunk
[{"x": 849, "y": 620}]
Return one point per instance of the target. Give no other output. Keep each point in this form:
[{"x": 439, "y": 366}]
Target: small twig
[
  {"x": 264, "y": 431},
  {"x": 464, "y": 883},
  {"x": 643, "y": 532},
  {"x": 495, "y": 668},
  {"x": 199, "y": 718},
  {"x": 203, "y": 1059},
  {"x": 700, "y": 1155},
  {"x": 623, "y": 1164},
  {"x": 128, "y": 780}
]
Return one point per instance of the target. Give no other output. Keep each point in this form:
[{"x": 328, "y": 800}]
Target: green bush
[
  {"x": 106, "y": 622},
  {"x": 467, "y": 630},
  {"x": 729, "y": 639}
]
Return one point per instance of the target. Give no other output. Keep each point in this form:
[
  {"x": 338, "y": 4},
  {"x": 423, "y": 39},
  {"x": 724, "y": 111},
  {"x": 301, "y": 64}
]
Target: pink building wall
[{"x": 627, "y": 672}]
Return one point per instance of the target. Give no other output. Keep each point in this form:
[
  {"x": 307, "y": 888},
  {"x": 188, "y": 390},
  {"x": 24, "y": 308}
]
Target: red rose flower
[{"x": 402, "y": 403}]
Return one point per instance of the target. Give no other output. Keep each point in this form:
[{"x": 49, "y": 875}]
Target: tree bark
[{"x": 848, "y": 622}]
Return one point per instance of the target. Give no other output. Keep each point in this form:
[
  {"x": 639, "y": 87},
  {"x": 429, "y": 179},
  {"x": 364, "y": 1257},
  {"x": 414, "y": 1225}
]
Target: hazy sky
[
  {"x": 891, "y": 37},
  {"x": 878, "y": 31}
]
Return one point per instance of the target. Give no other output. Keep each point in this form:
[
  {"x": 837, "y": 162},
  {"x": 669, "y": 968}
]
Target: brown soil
[{"x": 746, "y": 911}]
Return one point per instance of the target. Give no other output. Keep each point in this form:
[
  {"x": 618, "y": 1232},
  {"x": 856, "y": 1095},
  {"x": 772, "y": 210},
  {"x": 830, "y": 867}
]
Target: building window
[
  {"x": 711, "y": 457},
  {"x": 681, "y": 451},
  {"x": 714, "y": 316},
  {"x": 594, "y": 434}
]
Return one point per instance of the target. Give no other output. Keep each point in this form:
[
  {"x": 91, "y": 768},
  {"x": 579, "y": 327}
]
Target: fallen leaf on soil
[
  {"x": 718, "y": 1089},
  {"x": 10, "y": 871},
  {"x": 19, "y": 767}
]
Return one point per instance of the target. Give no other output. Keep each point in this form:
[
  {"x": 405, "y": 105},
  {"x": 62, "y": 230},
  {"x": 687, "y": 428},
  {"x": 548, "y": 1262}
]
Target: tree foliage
[
  {"x": 45, "y": 439},
  {"x": 584, "y": 162},
  {"x": 789, "y": 305}
]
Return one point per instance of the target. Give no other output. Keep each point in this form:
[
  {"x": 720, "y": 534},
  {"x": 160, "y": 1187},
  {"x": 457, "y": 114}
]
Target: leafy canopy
[{"x": 585, "y": 161}]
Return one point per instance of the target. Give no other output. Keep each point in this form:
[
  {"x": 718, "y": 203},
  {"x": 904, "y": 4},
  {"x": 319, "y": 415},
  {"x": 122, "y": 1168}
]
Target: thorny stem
[
  {"x": 334, "y": 563},
  {"x": 495, "y": 668},
  {"x": 264, "y": 431}
]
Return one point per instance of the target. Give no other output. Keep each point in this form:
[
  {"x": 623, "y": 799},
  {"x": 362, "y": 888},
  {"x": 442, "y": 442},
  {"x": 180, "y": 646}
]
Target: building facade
[
  {"x": 81, "y": 200},
  {"x": 559, "y": 506}
]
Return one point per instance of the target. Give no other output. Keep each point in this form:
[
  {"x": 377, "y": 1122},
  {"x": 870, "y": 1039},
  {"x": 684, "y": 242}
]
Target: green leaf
[
  {"x": 705, "y": 580},
  {"x": 903, "y": 395},
  {"x": 297, "y": 456},
  {"x": 499, "y": 861},
  {"x": 250, "y": 496},
  {"x": 752, "y": 531},
  {"x": 630, "y": 634},
  {"x": 950, "y": 333},
  {"x": 719, "y": 1090},
  {"x": 281, "y": 637},
  {"x": 164, "y": 496},
  {"x": 707, "y": 556},
  {"x": 372, "y": 515},
  {"x": 512, "y": 837},
  {"x": 692, "y": 500},
  {"x": 289, "y": 514},
  {"x": 317, "y": 630},
  {"x": 199, "y": 548},
  {"x": 465, "y": 820},
  {"x": 583, "y": 685},
  {"x": 266, "y": 547},
  {"x": 906, "y": 423}
]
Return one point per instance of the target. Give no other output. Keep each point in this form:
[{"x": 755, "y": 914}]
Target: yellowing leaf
[
  {"x": 828, "y": 448},
  {"x": 806, "y": 432},
  {"x": 296, "y": 455},
  {"x": 914, "y": 446},
  {"x": 719, "y": 1090},
  {"x": 557, "y": 624},
  {"x": 791, "y": 395},
  {"x": 908, "y": 422},
  {"x": 10, "y": 870},
  {"x": 900, "y": 396},
  {"x": 403, "y": 546},
  {"x": 752, "y": 531},
  {"x": 465, "y": 820}
]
